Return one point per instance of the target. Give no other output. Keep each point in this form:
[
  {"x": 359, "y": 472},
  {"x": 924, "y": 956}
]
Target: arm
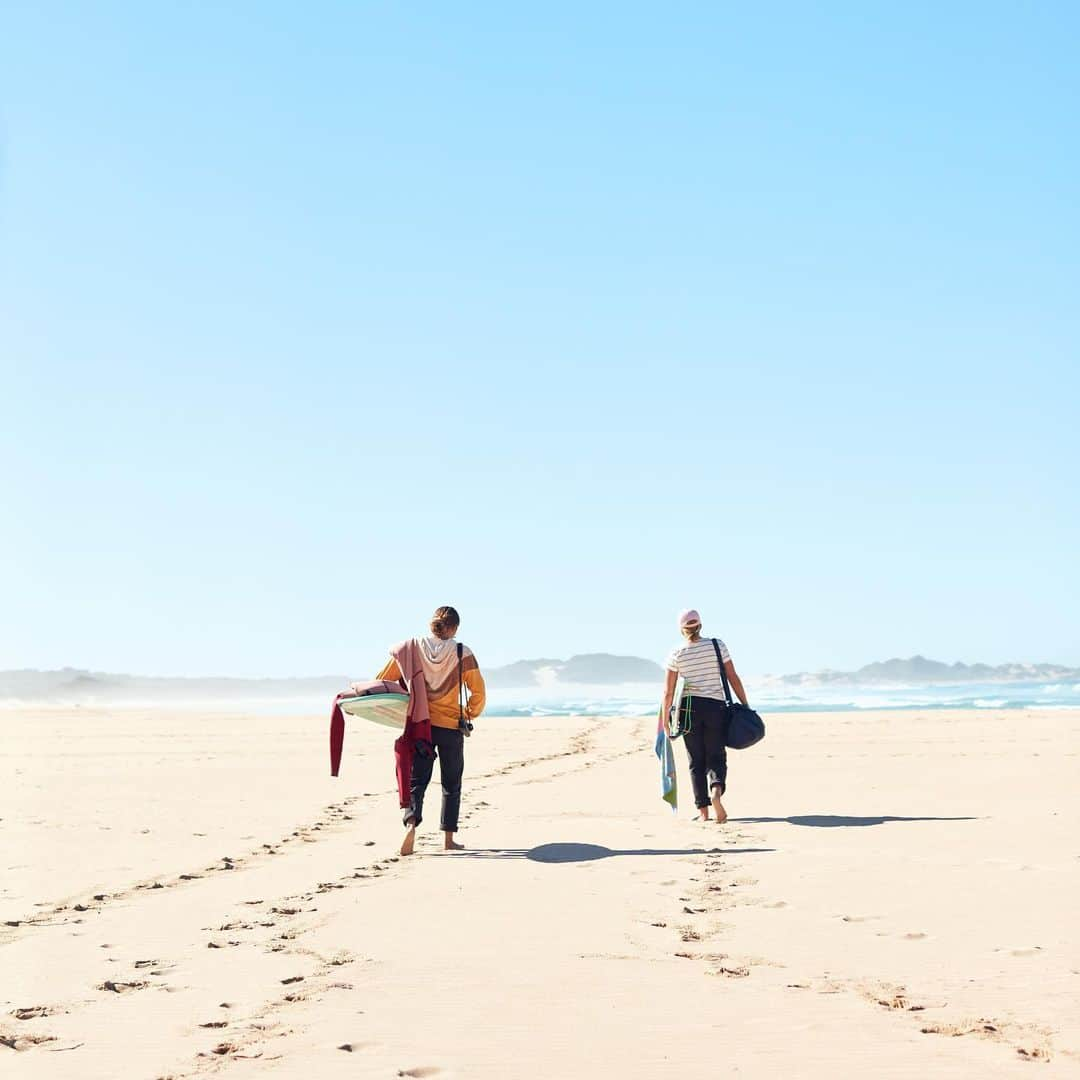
[
  {"x": 669, "y": 694},
  {"x": 736, "y": 682},
  {"x": 476, "y": 692},
  {"x": 391, "y": 672}
]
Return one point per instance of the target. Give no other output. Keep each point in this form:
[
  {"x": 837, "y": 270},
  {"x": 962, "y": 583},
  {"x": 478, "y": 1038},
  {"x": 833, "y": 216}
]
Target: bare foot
[
  {"x": 718, "y": 806},
  {"x": 450, "y": 844},
  {"x": 409, "y": 842},
  {"x": 703, "y": 813}
]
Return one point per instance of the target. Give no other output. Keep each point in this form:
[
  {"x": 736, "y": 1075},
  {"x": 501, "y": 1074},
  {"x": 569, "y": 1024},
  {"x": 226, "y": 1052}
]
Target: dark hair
[{"x": 444, "y": 622}]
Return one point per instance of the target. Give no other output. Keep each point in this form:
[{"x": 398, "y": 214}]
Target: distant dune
[
  {"x": 586, "y": 669},
  {"x": 72, "y": 685},
  {"x": 919, "y": 671}
]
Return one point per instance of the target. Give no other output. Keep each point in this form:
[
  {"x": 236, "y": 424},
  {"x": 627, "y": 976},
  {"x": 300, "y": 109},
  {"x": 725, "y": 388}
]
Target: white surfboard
[
  {"x": 386, "y": 709},
  {"x": 676, "y": 704}
]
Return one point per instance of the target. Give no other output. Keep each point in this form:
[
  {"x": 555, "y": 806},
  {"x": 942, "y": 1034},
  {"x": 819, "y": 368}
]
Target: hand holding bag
[{"x": 744, "y": 727}]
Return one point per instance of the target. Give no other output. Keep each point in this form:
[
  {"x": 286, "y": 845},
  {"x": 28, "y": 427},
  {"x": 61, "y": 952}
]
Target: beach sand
[{"x": 189, "y": 893}]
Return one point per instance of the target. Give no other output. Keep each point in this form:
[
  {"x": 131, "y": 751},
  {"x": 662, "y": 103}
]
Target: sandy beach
[{"x": 191, "y": 893}]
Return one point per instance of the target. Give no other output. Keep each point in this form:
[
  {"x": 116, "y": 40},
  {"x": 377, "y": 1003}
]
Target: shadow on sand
[
  {"x": 571, "y": 853},
  {"x": 837, "y": 821}
]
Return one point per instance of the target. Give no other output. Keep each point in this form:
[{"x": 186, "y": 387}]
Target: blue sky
[{"x": 314, "y": 317}]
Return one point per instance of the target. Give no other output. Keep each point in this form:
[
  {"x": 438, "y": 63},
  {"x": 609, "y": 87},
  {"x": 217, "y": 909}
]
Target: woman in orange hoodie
[{"x": 456, "y": 695}]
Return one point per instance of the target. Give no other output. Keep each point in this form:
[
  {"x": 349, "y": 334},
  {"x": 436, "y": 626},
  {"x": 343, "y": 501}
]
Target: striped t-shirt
[{"x": 696, "y": 663}]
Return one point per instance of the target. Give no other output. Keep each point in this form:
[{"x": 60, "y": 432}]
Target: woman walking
[
  {"x": 703, "y": 711},
  {"x": 455, "y": 697}
]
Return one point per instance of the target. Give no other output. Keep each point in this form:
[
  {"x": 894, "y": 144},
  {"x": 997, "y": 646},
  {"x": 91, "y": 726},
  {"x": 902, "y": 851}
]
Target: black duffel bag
[{"x": 744, "y": 726}]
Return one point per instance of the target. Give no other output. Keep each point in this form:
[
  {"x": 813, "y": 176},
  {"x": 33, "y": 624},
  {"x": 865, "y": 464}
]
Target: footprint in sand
[
  {"x": 915, "y": 935},
  {"x": 898, "y": 1001},
  {"x": 24, "y": 1042},
  {"x": 121, "y": 987},
  {"x": 984, "y": 1028},
  {"x": 32, "y": 1012},
  {"x": 420, "y": 1071}
]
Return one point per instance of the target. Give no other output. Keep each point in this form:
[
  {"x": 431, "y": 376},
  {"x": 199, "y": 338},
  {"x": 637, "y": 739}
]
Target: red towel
[
  {"x": 337, "y": 732},
  {"x": 416, "y": 738}
]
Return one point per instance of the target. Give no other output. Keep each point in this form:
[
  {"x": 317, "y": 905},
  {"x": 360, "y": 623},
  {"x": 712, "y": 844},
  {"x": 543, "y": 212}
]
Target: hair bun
[{"x": 445, "y": 621}]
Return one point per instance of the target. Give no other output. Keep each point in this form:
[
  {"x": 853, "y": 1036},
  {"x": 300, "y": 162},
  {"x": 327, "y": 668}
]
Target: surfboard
[
  {"x": 383, "y": 703},
  {"x": 676, "y": 705}
]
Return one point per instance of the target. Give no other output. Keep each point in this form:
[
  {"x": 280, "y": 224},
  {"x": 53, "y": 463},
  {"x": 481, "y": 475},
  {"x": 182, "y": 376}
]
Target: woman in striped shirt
[{"x": 703, "y": 709}]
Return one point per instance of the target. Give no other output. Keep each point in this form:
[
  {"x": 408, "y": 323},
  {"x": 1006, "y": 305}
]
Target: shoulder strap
[
  {"x": 723, "y": 673},
  {"x": 460, "y": 687}
]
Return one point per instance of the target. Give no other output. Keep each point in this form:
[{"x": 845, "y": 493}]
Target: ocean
[
  {"x": 644, "y": 700},
  {"x": 766, "y": 695}
]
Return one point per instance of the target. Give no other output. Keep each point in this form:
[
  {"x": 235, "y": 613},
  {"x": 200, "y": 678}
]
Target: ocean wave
[{"x": 1061, "y": 688}]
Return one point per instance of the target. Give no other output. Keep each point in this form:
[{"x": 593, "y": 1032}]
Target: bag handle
[
  {"x": 723, "y": 673},
  {"x": 460, "y": 687}
]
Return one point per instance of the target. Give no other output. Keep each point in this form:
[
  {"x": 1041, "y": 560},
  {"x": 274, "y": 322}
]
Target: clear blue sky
[{"x": 316, "y": 316}]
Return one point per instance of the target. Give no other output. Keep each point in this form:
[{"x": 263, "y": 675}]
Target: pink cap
[{"x": 689, "y": 616}]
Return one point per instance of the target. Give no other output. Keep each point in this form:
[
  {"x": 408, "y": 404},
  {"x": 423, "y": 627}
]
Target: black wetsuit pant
[
  {"x": 708, "y": 720},
  {"x": 450, "y": 748}
]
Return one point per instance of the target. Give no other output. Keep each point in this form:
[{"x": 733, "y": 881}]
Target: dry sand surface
[{"x": 186, "y": 894}]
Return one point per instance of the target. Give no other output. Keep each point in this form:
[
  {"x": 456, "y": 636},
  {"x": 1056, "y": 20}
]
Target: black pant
[
  {"x": 450, "y": 747},
  {"x": 708, "y": 720}
]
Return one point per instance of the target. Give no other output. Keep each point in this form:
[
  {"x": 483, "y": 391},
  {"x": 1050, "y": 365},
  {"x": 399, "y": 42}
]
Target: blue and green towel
[{"x": 669, "y": 784}]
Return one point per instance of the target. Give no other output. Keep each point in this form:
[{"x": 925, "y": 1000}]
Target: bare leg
[
  {"x": 409, "y": 842},
  {"x": 718, "y": 806},
  {"x": 450, "y": 844}
]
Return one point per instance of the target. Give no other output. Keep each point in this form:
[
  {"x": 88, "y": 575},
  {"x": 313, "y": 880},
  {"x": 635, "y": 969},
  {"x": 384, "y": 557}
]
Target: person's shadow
[
  {"x": 571, "y": 853},
  {"x": 837, "y": 821}
]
